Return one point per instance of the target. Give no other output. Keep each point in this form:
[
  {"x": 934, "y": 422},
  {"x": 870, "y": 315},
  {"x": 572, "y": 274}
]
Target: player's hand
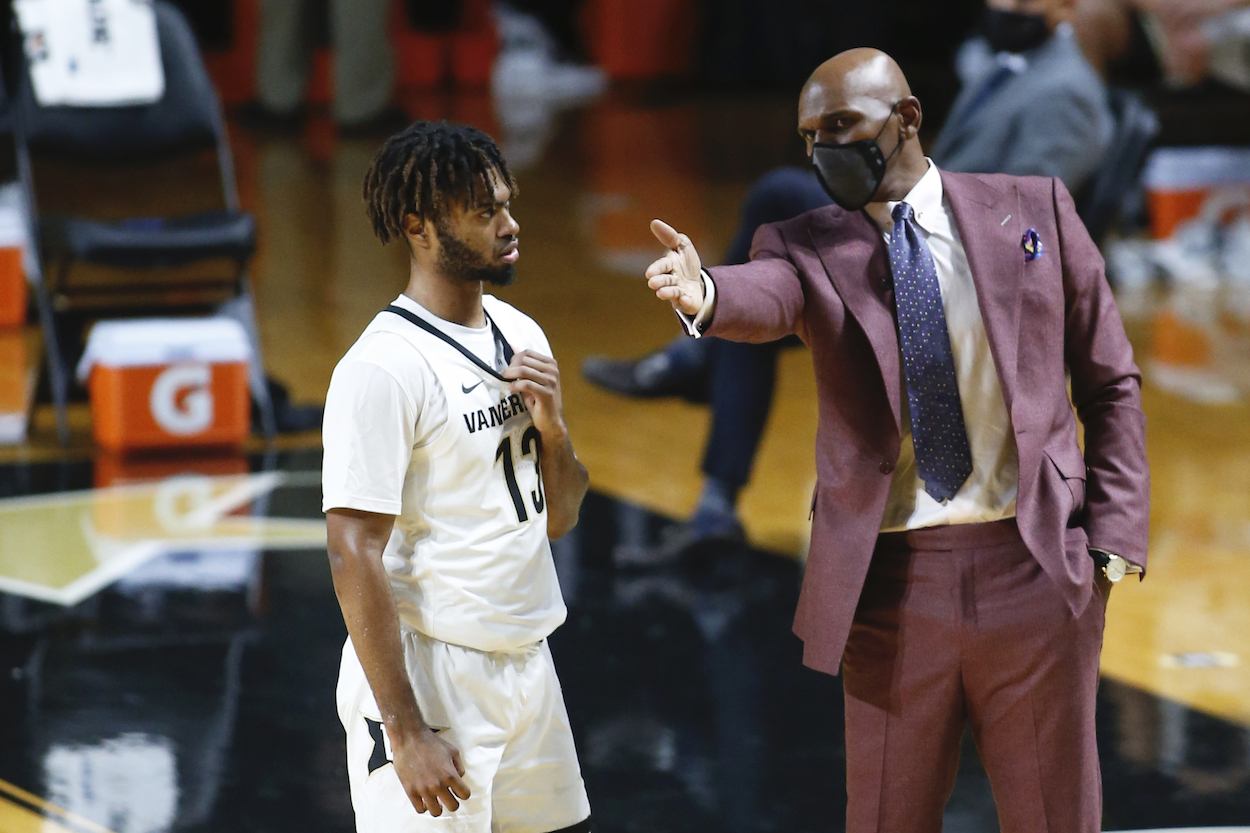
[
  {"x": 537, "y": 379},
  {"x": 431, "y": 772},
  {"x": 675, "y": 277}
]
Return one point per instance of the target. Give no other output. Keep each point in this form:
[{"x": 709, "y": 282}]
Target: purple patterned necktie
[{"x": 943, "y": 457}]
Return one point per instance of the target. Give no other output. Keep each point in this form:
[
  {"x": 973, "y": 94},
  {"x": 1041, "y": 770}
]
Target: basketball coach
[{"x": 963, "y": 548}]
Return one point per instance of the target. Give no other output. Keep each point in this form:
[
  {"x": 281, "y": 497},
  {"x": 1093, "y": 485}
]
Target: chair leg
[
  {"x": 241, "y": 309},
  {"x": 52, "y": 356}
]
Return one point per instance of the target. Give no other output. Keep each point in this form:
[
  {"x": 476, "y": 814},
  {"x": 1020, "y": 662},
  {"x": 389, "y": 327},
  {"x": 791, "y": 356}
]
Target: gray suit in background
[{"x": 1043, "y": 113}]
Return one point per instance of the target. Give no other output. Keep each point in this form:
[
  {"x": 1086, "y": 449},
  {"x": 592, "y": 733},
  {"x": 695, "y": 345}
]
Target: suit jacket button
[{"x": 886, "y": 467}]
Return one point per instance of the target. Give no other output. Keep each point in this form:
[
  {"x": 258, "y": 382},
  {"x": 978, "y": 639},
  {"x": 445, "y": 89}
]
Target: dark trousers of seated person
[{"x": 743, "y": 376}]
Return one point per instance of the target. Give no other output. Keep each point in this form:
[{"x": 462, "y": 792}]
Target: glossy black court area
[{"x": 148, "y": 708}]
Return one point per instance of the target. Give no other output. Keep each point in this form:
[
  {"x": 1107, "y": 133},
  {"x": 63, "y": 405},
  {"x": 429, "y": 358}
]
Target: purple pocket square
[{"x": 1032, "y": 245}]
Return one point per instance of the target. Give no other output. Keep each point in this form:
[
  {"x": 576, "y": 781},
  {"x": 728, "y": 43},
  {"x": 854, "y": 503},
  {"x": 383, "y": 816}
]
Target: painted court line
[{"x": 54, "y": 818}]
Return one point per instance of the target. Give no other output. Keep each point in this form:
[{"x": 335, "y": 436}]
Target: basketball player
[{"x": 447, "y": 469}]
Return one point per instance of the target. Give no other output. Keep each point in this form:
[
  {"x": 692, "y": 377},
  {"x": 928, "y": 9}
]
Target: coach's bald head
[{"x": 852, "y": 96}]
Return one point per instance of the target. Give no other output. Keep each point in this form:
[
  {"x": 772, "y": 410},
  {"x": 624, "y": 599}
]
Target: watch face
[{"x": 1115, "y": 569}]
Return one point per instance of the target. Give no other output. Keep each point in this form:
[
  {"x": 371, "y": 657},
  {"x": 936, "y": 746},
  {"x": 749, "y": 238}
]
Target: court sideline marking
[{"x": 23, "y": 812}]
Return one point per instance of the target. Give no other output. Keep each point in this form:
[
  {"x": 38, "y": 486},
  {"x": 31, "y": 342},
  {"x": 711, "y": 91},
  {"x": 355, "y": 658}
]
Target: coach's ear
[{"x": 417, "y": 230}]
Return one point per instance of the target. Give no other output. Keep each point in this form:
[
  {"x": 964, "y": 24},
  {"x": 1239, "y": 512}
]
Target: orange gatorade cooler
[
  {"x": 13, "y": 291},
  {"x": 167, "y": 383},
  {"x": 12, "y": 287},
  {"x": 1187, "y": 183}
]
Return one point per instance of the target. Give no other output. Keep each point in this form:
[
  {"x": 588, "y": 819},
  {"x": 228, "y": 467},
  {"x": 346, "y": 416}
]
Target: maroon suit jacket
[{"x": 825, "y": 276}]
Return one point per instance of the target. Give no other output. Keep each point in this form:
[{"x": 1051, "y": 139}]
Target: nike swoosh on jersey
[{"x": 470, "y": 387}]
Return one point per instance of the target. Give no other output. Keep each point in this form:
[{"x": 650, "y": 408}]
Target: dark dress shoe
[
  {"x": 706, "y": 531},
  {"x": 651, "y": 377}
]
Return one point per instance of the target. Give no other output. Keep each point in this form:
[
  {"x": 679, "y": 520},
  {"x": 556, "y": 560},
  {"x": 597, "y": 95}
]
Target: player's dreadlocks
[{"x": 420, "y": 168}]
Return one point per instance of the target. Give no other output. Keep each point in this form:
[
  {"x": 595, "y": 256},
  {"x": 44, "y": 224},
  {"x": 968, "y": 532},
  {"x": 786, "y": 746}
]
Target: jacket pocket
[{"x": 1071, "y": 469}]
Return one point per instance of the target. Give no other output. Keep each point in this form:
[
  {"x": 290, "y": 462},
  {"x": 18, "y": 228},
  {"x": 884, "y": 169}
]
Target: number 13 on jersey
[{"x": 531, "y": 446}]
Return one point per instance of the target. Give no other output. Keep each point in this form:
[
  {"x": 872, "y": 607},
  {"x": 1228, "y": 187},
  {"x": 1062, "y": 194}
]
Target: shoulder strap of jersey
[{"x": 439, "y": 334}]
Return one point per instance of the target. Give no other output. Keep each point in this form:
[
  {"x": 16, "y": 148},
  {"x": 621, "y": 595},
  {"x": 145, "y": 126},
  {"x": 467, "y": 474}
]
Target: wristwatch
[{"x": 1113, "y": 566}]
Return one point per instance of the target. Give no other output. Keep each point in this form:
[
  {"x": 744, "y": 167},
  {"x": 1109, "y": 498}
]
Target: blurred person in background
[
  {"x": 364, "y": 65},
  {"x": 1029, "y": 104},
  {"x": 540, "y": 71},
  {"x": 1182, "y": 42},
  {"x": 541, "y": 53}
]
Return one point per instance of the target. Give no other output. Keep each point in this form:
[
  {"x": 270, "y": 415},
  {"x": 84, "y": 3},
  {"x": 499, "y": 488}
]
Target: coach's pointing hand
[
  {"x": 675, "y": 277},
  {"x": 431, "y": 772}
]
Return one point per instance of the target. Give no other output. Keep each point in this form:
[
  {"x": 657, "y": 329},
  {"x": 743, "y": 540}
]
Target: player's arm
[
  {"x": 429, "y": 768},
  {"x": 537, "y": 379},
  {"x": 368, "y": 434}
]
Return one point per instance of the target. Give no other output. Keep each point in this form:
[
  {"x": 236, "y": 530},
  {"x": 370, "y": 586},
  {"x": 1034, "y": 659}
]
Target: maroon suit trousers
[{"x": 959, "y": 625}]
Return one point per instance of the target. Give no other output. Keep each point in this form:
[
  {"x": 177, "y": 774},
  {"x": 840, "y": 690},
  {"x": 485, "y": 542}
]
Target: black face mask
[
  {"x": 851, "y": 173},
  {"x": 1014, "y": 31}
]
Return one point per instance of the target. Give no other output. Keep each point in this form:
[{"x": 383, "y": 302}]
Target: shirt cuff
[{"x": 697, "y": 323}]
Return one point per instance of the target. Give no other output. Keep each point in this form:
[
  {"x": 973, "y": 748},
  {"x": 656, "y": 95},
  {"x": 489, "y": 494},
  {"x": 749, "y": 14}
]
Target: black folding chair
[
  {"x": 1101, "y": 203},
  {"x": 143, "y": 252}
]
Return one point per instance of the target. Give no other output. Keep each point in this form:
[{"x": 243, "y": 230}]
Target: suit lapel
[
  {"x": 853, "y": 253},
  {"x": 996, "y": 260}
]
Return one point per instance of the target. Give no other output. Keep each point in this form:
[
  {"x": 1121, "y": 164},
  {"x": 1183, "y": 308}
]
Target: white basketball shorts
[{"x": 504, "y": 712}]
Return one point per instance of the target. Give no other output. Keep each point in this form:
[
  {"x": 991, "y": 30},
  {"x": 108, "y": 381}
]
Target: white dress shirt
[{"x": 989, "y": 493}]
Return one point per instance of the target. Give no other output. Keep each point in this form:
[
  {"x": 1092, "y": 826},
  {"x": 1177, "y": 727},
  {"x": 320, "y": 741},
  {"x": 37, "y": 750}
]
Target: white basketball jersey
[{"x": 469, "y": 558}]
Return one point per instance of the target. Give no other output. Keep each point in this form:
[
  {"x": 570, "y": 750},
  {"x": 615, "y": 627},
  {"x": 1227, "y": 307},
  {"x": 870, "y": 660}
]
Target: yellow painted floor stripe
[
  {"x": 21, "y": 811},
  {"x": 15, "y": 818}
]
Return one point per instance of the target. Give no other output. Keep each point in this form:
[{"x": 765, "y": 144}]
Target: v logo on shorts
[
  {"x": 378, "y": 759},
  {"x": 470, "y": 387}
]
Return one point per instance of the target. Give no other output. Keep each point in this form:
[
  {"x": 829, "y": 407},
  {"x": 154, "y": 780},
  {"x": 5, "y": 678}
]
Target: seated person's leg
[
  {"x": 779, "y": 195},
  {"x": 743, "y": 376},
  {"x": 681, "y": 368},
  {"x": 743, "y": 379}
]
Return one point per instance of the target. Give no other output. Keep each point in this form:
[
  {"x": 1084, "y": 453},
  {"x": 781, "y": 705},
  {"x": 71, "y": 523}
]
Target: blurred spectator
[
  {"x": 538, "y": 73},
  {"x": 540, "y": 54},
  {"x": 364, "y": 64},
  {"x": 1183, "y": 42},
  {"x": 1030, "y": 104},
  {"x": 559, "y": 19}
]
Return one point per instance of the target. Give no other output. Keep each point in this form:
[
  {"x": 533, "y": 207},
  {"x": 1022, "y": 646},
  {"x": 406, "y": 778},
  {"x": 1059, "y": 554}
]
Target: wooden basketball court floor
[{"x": 1182, "y": 637}]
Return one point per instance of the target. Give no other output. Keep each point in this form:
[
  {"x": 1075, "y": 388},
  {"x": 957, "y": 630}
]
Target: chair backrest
[
  {"x": 187, "y": 118},
  {"x": 1100, "y": 202}
]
